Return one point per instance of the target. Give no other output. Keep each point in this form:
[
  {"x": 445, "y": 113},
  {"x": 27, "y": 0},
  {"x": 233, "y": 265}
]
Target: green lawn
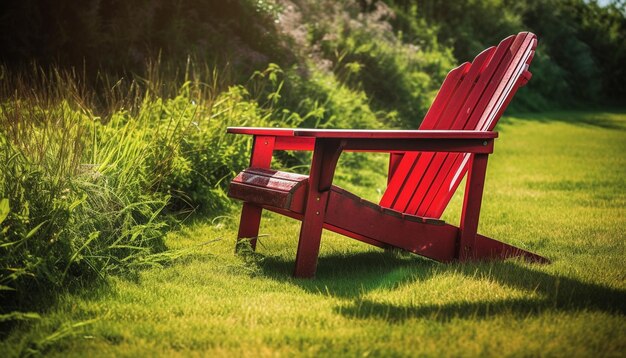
[{"x": 556, "y": 185}]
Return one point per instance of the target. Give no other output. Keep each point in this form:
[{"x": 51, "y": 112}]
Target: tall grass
[{"x": 86, "y": 176}]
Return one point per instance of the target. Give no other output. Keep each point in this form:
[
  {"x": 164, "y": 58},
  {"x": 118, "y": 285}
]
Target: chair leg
[
  {"x": 249, "y": 225},
  {"x": 261, "y": 157},
  {"x": 325, "y": 157},
  {"x": 310, "y": 236},
  {"x": 471, "y": 207}
]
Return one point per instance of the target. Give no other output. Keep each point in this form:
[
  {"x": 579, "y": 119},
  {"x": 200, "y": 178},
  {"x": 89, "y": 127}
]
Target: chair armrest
[
  {"x": 407, "y": 140},
  {"x": 377, "y": 140},
  {"x": 262, "y": 131},
  {"x": 361, "y": 133},
  {"x": 283, "y": 138},
  {"x": 393, "y": 134}
]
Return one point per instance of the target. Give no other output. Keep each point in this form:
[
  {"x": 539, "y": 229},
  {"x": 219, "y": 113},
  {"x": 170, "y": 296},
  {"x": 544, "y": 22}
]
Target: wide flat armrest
[
  {"x": 363, "y": 140},
  {"x": 393, "y": 134},
  {"x": 263, "y": 131},
  {"x": 362, "y": 133}
]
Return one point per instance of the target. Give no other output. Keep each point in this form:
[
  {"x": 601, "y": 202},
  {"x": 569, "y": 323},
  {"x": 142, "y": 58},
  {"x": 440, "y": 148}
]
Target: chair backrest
[{"x": 472, "y": 97}]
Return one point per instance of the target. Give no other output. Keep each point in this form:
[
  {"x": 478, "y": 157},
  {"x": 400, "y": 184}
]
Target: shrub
[{"x": 82, "y": 195}]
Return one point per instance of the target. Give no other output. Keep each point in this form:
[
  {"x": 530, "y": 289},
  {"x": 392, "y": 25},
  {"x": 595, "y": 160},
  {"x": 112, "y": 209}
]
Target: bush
[
  {"x": 359, "y": 48},
  {"x": 82, "y": 196},
  {"x": 582, "y": 45}
]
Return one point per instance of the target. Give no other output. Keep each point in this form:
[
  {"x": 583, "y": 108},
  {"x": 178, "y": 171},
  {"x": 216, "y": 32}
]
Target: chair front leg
[
  {"x": 471, "y": 207},
  {"x": 325, "y": 157},
  {"x": 262, "y": 149}
]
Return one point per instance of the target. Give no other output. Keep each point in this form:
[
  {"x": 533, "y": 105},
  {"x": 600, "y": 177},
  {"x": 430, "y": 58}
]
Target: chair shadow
[{"x": 351, "y": 276}]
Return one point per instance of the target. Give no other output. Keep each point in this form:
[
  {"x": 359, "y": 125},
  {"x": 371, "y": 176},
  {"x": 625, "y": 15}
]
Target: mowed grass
[{"x": 556, "y": 185}]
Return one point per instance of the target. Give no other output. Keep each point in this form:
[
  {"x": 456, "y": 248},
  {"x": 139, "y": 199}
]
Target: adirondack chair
[{"x": 425, "y": 168}]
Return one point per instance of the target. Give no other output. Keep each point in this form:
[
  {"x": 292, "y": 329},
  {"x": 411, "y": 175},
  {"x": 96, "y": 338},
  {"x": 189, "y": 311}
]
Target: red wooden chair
[{"x": 425, "y": 168}]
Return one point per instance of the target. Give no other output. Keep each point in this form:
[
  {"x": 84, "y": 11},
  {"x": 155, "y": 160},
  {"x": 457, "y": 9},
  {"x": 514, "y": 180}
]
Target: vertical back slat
[
  {"x": 495, "y": 82},
  {"x": 404, "y": 167},
  {"x": 472, "y": 97},
  {"x": 507, "y": 89},
  {"x": 424, "y": 170}
]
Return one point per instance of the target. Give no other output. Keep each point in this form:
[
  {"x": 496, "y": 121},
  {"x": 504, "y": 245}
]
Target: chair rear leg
[
  {"x": 473, "y": 246},
  {"x": 471, "y": 207},
  {"x": 249, "y": 225},
  {"x": 490, "y": 249}
]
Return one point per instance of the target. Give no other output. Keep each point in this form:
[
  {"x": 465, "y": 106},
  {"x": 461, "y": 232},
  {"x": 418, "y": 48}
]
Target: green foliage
[
  {"x": 586, "y": 42},
  {"x": 581, "y": 44},
  {"x": 360, "y": 49},
  {"x": 210, "y": 156},
  {"x": 324, "y": 102},
  {"x": 82, "y": 195},
  {"x": 69, "y": 220},
  {"x": 411, "y": 77}
]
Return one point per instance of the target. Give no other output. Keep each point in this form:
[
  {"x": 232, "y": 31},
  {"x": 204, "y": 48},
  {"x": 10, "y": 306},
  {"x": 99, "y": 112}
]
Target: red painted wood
[
  {"x": 394, "y": 134},
  {"x": 260, "y": 196},
  {"x": 456, "y": 107},
  {"x": 452, "y": 175},
  {"x": 426, "y": 145},
  {"x": 449, "y": 86},
  {"x": 471, "y": 206},
  {"x": 332, "y": 228},
  {"x": 439, "y": 117},
  {"x": 396, "y": 183},
  {"x": 294, "y": 143},
  {"x": 262, "y": 149},
  {"x": 519, "y": 49},
  {"x": 489, "y": 249},
  {"x": 261, "y": 131},
  {"x": 429, "y": 166},
  {"x": 273, "y": 174},
  {"x": 394, "y": 161},
  {"x": 249, "y": 224},
  {"x": 486, "y": 248},
  {"x": 468, "y": 94},
  {"x": 427, "y": 185},
  {"x": 433, "y": 241},
  {"x": 449, "y": 186},
  {"x": 423, "y": 175},
  {"x": 323, "y": 164},
  {"x": 272, "y": 133},
  {"x": 252, "y": 178}
]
